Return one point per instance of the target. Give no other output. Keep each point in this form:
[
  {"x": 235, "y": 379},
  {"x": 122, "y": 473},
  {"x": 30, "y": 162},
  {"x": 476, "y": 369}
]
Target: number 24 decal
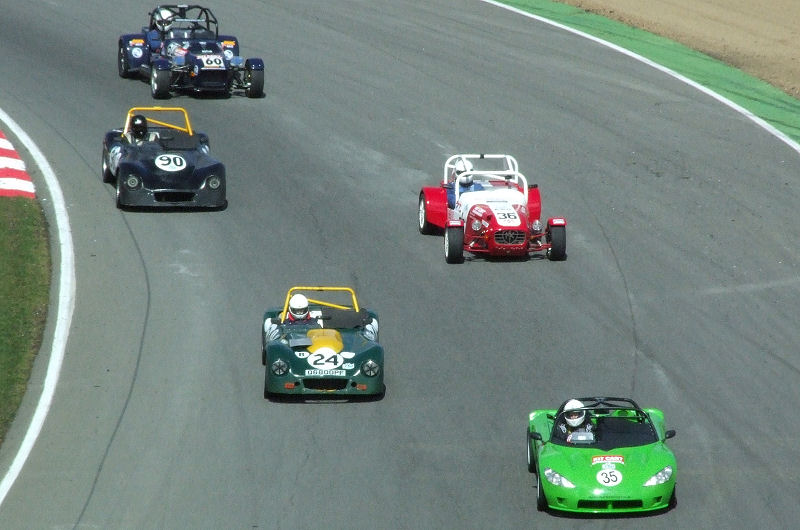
[{"x": 318, "y": 359}]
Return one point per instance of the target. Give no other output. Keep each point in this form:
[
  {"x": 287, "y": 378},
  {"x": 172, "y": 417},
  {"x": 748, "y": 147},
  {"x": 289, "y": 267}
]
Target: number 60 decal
[{"x": 170, "y": 162}]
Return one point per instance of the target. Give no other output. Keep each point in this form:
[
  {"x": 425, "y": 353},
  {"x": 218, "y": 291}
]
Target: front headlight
[
  {"x": 370, "y": 368},
  {"x": 214, "y": 182},
  {"x": 279, "y": 367},
  {"x": 660, "y": 478},
  {"x": 554, "y": 478},
  {"x": 132, "y": 181}
]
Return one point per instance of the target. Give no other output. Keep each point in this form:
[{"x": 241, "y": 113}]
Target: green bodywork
[
  {"x": 325, "y": 357},
  {"x": 607, "y": 474}
]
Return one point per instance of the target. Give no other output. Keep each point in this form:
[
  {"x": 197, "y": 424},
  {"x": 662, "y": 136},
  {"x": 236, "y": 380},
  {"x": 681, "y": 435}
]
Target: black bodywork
[
  {"x": 170, "y": 169},
  {"x": 181, "y": 50}
]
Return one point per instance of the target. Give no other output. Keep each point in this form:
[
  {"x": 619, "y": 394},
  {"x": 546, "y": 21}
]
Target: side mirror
[
  {"x": 669, "y": 434},
  {"x": 536, "y": 436}
]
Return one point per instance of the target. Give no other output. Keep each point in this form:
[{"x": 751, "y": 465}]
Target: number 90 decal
[
  {"x": 170, "y": 163},
  {"x": 609, "y": 477}
]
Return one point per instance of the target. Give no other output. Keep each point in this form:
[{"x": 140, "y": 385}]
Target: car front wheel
[
  {"x": 541, "y": 500},
  {"x": 255, "y": 83},
  {"x": 424, "y": 226},
  {"x": 122, "y": 61},
  {"x": 531, "y": 458},
  {"x": 558, "y": 242},
  {"x": 454, "y": 244},
  {"x": 159, "y": 83}
]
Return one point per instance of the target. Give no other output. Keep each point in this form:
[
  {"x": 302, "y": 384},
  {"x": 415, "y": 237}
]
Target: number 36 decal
[{"x": 170, "y": 162}]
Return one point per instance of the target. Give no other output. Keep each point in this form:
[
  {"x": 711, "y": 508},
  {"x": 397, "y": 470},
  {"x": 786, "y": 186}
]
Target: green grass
[{"x": 24, "y": 294}]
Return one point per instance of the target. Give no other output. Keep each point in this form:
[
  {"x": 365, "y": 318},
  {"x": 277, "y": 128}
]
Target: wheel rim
[
  {"x": 153, "y": 84},
  {"x": 421, "y": 213},
  {"x": 447, "y": 243}
]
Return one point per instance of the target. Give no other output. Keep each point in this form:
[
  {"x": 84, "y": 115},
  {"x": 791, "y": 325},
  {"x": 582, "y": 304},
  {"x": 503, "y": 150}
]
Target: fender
[
  {"x": 228, "y": 42},
  {"x": 435, "y": 205},
  {"x": 137, "y": 51},
  {"x": 534, "y": 203},
  {"x": 254, "y": 63},
  {"x": 160, "y": 64}
]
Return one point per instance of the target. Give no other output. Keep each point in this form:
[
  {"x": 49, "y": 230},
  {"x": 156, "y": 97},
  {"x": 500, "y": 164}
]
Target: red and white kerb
[{"x": 14, "y": 180}]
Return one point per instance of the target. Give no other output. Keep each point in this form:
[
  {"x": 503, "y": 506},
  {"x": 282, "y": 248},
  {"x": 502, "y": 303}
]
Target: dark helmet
[{"x": 139, "y": 126}]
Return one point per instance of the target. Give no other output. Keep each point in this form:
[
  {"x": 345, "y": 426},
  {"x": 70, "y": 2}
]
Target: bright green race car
[{"x": 615, "y": 460}]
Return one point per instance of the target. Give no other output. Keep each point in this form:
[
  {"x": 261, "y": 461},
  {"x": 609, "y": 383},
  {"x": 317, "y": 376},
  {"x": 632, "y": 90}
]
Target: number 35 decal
[
  {"x": 170, "y": 162},
  {"x": 609, "y": 477}
]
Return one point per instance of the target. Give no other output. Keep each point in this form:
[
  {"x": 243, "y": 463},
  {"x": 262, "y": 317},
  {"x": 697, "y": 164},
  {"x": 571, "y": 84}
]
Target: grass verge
[{"x": 24, "y": 294}]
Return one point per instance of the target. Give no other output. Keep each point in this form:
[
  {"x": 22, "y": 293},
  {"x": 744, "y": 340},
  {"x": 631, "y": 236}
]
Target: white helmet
[
  {"x": 573, "y": 413},
  {"x": 462, "y": 166},
  {"x": 298, "y": 306},
  {"x": 163, "y": 19}
]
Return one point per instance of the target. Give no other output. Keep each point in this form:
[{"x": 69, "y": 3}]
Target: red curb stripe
[{"x": 14, "y": 180}]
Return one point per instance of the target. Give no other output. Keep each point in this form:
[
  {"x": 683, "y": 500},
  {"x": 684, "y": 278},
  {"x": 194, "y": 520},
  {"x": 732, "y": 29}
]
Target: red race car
[{"x": 485, "y": 206}]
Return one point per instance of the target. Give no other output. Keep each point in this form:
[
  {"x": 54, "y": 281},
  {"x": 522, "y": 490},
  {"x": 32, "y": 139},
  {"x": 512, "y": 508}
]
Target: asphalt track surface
[{"x": 680, "y": 289}]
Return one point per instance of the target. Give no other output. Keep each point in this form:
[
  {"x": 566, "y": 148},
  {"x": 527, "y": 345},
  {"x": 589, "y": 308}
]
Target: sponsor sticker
[
  {"x": 325, "y": 372},
  {"x": 608, "y": 459}
]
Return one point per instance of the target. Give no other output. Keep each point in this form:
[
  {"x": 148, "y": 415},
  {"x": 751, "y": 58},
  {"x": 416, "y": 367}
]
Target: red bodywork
[{"x": 483, "y": 232}]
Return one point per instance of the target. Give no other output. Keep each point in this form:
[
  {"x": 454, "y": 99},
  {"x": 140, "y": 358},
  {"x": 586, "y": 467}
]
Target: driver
[
  {"x": 138, "y": 129},
  {"x": 463, "y": 179},
  {"x": 575, "y": 419},
  {"x": 298, "y": 313}
]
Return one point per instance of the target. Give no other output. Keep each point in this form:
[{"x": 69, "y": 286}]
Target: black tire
[
  {"x": 159, "y": 83},
  {"x": 541, "y": 500},
  {"x": 673, "y": 501},
  {"x": 558, "y": 239},
  {"x": 424, "y": 226},
  {"x": 119, "y": 203},
  {"x": 454, "y": 244},
  {"x": 531, "y": 456},
  {"x": 107, "y": 175},
  {"x": 263, "y": 356},
  {"x": 122, "y": 61},
  {"x": 255, "y": 83}
]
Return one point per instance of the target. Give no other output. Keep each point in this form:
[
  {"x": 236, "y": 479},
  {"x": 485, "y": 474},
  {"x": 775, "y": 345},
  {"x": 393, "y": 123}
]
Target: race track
[{"x": 680, "y": 289}]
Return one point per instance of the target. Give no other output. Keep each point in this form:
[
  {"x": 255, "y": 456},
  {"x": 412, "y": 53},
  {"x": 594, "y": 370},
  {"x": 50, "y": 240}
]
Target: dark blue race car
[
  {"x": 181, "y": 50},
  {"x": 156, "y": 160}
]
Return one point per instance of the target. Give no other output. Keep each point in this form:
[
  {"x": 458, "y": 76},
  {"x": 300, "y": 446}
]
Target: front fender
[
  {"x": 254, "y": 63},
  {"x": 435, "y": 205},
  {"x": 161, "y": 64}
]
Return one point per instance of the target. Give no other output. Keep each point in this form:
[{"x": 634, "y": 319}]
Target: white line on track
[
  {"x": 725, "y": 101},
  {"x": 64, "y": 308}
]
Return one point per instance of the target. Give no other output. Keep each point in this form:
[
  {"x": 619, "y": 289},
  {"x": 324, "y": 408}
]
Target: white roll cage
[{"x": 508, "y": 173}]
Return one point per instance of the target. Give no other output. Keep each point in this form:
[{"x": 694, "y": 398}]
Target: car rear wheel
[
  {"x": 531, "y": 458},
  {"x": 122, "y": 61},
  {"x": 558, "y": 241},
  {"x": 159, "y": 83},
  {"x": 454, "y": 244},
  {"x": 541, "y": 500},
  {"x": 255, "y": 83},
  {"x": 424, "y": 226},
  {"x": 107, "y": 175}
]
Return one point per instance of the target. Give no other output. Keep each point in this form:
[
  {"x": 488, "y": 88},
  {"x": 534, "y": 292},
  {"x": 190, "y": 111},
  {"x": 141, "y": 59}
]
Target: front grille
[
  {"x": 609, "y": 505},
  {"x": 325, "y": 383},
  {"x": 509, "y": 237},
  {"x": 215, "y": 79},
  {"x": 174, "y": 196}
]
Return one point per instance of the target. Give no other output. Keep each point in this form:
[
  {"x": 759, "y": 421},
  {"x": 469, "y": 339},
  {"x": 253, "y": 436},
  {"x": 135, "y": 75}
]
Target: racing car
[
  {"x": 181, "y": 50},
  {"x": 485, "y": 206},
  {"x": 157, "y": 160},
  {"x": 321, "y": 342},
  {"x": 619, "y": 463}
]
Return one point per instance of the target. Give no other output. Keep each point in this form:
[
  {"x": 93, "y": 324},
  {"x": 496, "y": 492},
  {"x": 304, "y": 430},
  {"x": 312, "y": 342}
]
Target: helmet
[
  {"x": 298, "y": 306},
  {"x": 573, "y": 413},
  {"x": 163, "y": 19},
  {"x": 139, "y": 126},
  {"x": 462, "y": 166}
]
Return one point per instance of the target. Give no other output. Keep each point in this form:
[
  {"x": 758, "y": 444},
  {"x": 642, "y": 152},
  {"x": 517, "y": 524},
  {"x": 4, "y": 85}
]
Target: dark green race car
[
  {"x": 333, "y": 351},
  {"x": 620, "y": 463}
]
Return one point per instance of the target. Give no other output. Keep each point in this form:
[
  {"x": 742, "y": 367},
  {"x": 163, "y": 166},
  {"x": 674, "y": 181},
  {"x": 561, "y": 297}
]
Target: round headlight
[
  {"x": 370, "y": 368},
  {"x": 132, "y": 181},
  {"x": 476, "y": 225},
  {"x": 214, "y": 182},
  {"x": 228, "y": 54},
  {"x": 280, "y": 367}
]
